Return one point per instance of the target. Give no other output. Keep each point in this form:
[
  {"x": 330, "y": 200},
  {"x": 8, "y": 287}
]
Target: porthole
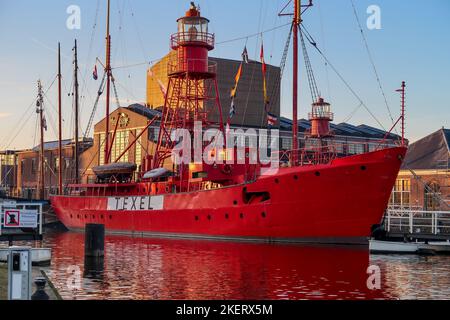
[
  {"x": 209, "y": 217},
  {"x": 296, "y": 177},
  {"x": 277, "y": 181},
  {"x": 78, "y": 216},
  {"x": 102, "y": 217},
  {"x": 196, "y": 218},
  {"x": 363, "y": 168},
  {"x": 110, "y": 217},
  {"x": 241, "y": 216},
  {"x": 317, "y": 174},
  {"x": 263, "y": 214},
  {"x": 85, "y": 216},
  {"x": 71, "y": 216},
  {"x": 227, "y": 216},
  {"x": 235, "y": 202}
]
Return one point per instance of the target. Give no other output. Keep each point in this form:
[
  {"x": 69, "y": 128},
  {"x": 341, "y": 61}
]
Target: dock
[
  {"x": 39, "y": 256},
  {"x": 417, "y": 224}
]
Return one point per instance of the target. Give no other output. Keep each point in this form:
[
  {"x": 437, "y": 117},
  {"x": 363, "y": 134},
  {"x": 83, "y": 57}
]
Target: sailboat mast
[
  {"x": 60, "y": 178},
  {"x": 40, "y": 110},
  {"x": 77, "y": 138},
  {"x": 296, "y": 24},
  {"x": 108, "y": 82}
]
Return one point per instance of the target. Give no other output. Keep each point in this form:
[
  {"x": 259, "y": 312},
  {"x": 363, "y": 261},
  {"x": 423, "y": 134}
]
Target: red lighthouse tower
[
  {"x": 320, "y": 118},
  {"x": 192, "y": 87}
]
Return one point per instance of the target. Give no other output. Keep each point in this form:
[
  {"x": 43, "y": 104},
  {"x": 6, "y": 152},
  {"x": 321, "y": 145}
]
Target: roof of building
[
  {"x": 341, "y": 129},
  {"x": 52, "y": 145},
  {"x": 430, "y": 152}
]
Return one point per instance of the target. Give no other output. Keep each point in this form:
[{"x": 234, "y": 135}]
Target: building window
[
  {"x": 138, "y": 155},
  {"x": 401, "y": 194},
  {"x": 432, "y": 196},
  {"x": 286, "y": 143},
  {"x": 33, "y": 166},
  {"x": 101, "y": 150},
  {"x": 119, "y": 146},
  {"x": 355, "y": 148}
]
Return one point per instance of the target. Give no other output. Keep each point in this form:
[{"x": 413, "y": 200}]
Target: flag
[
  {"x": 271, "y": 120},
  {"x": 232, "y": 108},
  {"x": 245, "y": 55},
  {"x": 161, "y": 85},
  {"x": 264, "y": 70},
  {"x": 95, "y": 74},
  {"x": 236, "y": 81}
]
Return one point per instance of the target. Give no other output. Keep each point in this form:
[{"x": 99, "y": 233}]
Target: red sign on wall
[{"x": 12, "y": 218}]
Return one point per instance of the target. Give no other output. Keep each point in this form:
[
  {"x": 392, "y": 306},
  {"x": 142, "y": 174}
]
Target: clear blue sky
[{"x": 413, "y": 45}]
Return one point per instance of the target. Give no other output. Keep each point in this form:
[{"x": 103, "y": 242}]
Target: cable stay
[
  {"x": 94, "y": 109},
  {"x": 283, "y": 62},
  {"x": 115, "y": 91},
  {"x": 309, "y": 71},
  {"x": 311, "y": 41},
  {"x": 372, "y": 61}
]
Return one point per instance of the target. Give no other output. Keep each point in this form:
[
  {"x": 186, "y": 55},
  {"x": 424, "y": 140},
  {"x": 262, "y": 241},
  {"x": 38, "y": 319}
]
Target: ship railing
[
  {"x": 417, "y": 222},
  {"x": 320, "y": 114},
  {"x": 312, "y": 153},
  {"x": 307, "y": 156},
  {"x": 190, "y": 38}
]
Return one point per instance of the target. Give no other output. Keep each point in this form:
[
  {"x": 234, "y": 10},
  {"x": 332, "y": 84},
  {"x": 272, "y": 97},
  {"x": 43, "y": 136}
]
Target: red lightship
[{"x": 318, "y": 195}]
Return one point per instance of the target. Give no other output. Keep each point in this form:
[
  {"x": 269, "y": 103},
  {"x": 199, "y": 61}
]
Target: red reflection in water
[{"x": 137, "y": 268}]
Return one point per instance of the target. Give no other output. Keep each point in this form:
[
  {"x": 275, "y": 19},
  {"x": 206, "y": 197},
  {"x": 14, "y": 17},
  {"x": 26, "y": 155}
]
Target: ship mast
[
  {"x": 77, "y": 149},
  {"x": 108, "y": 82},
  {"x": 60, "y": 178},
  {"x": 40, "y": 111},
  {"x": 296, "y": 23}
]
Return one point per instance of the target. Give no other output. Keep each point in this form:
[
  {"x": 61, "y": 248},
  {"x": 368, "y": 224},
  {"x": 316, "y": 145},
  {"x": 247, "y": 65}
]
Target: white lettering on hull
[{"x": 135, "y": 203}]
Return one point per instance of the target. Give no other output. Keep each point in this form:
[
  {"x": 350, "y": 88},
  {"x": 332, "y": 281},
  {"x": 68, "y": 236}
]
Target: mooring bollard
[
  {"x": 40, "y": 293},
  {"x": 94, "y": 251},
  {"x": 94, "y": 244}
]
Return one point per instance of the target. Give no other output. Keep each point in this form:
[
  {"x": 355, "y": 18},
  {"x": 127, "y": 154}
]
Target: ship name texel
[{"x": 135, "y": 203}]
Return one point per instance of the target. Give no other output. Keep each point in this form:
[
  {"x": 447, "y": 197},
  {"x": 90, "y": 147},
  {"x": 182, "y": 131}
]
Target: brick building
[
  {"x": 8, "y": 172},
  {"x": 28, "y": 168},
  {"x": 424, "y": 181}
]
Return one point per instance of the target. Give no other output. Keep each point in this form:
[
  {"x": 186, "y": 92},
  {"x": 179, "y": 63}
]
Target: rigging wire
[
  {"x": 314, "y": 44},
  {"x": 255, "y": 65},
  {"x": 254, "y": 34},
  {"x": 327, "y": 74},
  {"x": 94, "y": 109},
  {"x": 277, "y": 84},
  {"x": 8, "y": 140},
  {"x": 91, "y": 44},
  {"x": 372, "y": 61},
  {"x": 309, "y": 71},
  {"x": 137, "y": 30}
]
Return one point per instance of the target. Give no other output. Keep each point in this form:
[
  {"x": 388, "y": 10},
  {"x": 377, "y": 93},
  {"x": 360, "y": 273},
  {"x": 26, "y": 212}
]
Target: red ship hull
[{"x": 333, "y": 203}]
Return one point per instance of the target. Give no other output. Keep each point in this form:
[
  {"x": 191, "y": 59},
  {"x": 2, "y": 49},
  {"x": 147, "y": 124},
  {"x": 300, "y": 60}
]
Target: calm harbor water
[{"x": 136, "y": 268}]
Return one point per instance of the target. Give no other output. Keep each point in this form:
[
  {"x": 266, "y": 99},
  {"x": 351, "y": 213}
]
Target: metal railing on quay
[{"x": 418, "y": 221}]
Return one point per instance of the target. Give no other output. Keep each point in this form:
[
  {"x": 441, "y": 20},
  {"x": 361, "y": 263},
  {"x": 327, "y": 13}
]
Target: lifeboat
[{"x": 120, "y": 172}]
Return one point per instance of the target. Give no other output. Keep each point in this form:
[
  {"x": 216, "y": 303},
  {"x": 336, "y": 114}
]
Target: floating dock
[
  {"x": 397, "y": 247},
  {"x": 39, "y": 256}
]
